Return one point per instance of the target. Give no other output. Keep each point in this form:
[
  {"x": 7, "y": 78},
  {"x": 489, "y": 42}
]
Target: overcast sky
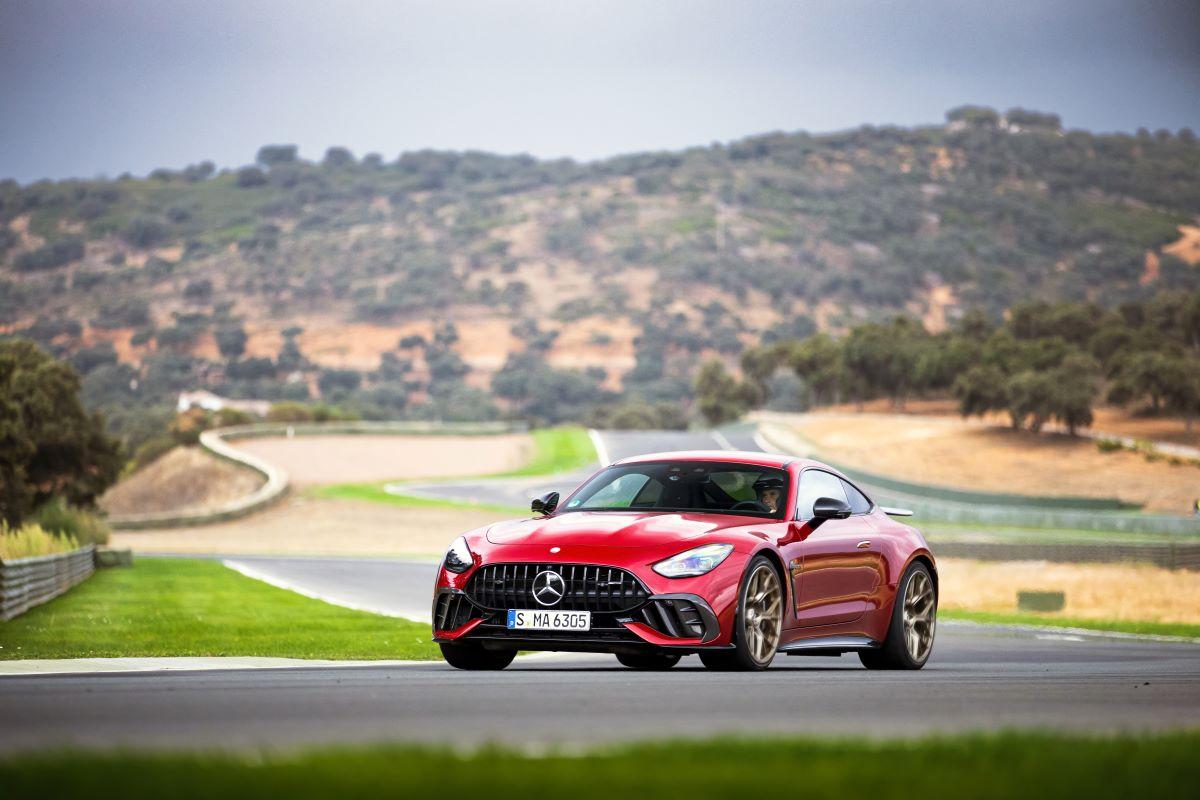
[{"x": 107, "y": 86}]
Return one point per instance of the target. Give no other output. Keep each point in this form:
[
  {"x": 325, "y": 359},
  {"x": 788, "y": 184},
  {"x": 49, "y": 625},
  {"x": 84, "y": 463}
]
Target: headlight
[
  {"x": 696, "y": 561},
  {"x": 458, "y": 557}
]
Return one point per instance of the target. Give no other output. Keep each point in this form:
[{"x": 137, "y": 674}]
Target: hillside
[{"x": 459, "y": 285}]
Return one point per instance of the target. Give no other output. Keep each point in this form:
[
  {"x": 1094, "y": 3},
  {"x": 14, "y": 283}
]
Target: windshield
[{"x": 714, "y": 487}]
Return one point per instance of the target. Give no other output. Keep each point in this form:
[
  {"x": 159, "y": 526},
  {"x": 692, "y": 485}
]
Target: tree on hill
[
  {"x": 338, "y": 158},
  {"x": 974, "y": 115},
  {"x": 1033, "y": 119},
  {"x": 720, "y": 396},
  {"x": 231, "y": 341},
  {"x": 49, "y": 445},
  {"x": 270, "y": 155}
]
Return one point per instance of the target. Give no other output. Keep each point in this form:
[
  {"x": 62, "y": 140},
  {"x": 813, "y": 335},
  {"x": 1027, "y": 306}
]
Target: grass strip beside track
[
  {"x": 374, "y": 493},
  {"x": 1098, "y": 625},
  {"x": 976, "y": 766},
  {"x": 184, "y": 607},
  {"x": 556, "y": 450}
]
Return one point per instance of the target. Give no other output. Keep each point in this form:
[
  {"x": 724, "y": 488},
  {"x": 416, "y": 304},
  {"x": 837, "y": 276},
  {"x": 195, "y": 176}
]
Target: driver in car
[{"x": 769, "y": 492}]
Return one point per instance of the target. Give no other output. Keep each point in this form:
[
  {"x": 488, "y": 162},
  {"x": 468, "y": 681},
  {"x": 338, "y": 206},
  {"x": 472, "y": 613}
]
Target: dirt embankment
[
  {"x": 951, "y": 452},
  {"x": 184, "y": 479},
  {"x": 316, "y": 460}
]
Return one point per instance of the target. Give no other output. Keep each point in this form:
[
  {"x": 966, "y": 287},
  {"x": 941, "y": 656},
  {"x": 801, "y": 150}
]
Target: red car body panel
[{"x": 840, "y": 576}]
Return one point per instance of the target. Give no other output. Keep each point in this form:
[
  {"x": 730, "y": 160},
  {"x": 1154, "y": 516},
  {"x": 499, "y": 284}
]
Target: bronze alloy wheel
[
  {"x": 763, "y": 614},
  {"x": 919, "y": 616},
  {"x": 758, "y": 625},
  {"x": 910, "y": 635}
]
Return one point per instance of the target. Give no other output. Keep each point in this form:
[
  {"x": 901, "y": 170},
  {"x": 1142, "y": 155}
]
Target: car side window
[
  {"x": 859, "y": 504},
  {"x": 815, "y": 484}
]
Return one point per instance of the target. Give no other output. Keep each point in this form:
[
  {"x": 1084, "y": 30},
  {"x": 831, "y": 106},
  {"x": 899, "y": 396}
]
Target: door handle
[{"x": 863, "y": 545}]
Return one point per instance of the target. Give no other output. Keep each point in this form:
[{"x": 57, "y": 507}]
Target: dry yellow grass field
[
  {"x": 1127, "y": 592},
  {"x": 1108, "y": 419},
  {"x": 971, "y": 454},
  {"x": 184, "y": 479},
  {"x": 314, "y": 460}
]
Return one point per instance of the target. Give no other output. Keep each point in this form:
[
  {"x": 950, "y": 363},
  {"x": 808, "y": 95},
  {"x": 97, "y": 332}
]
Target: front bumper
[{"x": 672, "y": 620}]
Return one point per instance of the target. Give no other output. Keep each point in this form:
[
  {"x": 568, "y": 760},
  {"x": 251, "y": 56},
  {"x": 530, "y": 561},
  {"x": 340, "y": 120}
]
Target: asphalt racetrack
[{"x": 979, "y": 678}]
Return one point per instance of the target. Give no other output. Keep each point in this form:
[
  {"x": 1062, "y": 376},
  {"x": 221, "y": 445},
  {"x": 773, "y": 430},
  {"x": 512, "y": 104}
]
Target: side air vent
[
  {"x": 677, "y": 618},
  {"x": 453, "y": 611}
]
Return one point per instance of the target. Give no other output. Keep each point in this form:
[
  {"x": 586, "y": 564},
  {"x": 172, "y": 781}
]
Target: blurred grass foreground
[{"x": 1006, "y": 765}]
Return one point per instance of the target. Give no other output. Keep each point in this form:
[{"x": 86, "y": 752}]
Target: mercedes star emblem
[{"x": 548, "y": 587}]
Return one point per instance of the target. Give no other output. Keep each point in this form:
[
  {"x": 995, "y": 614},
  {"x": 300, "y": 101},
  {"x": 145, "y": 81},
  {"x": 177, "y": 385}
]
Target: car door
[{"x": 840, "y": 561}]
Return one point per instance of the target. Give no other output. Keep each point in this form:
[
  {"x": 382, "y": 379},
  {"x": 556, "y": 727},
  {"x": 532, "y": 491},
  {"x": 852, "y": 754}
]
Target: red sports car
[{"x": 734, "y": 556}]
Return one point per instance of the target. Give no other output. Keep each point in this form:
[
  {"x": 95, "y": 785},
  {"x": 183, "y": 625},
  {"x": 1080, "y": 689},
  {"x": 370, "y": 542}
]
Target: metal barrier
[{"x": 29, "y": 582}]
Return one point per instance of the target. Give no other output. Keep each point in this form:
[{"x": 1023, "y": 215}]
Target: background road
[
  {"x": 517, "y": 492},
  {"x": 976, "y": 679}
]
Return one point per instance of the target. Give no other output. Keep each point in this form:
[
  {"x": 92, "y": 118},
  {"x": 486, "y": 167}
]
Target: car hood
[{"x": 615, "y": 528}]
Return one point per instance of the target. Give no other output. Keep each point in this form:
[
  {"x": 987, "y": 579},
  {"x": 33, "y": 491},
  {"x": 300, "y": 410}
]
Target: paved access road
[{"x": 977, "y": 679}]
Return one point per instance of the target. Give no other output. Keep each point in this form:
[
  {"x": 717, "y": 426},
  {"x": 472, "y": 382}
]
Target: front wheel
[
  {"x": 758, "y": 622},
  {"x": 474, "y": 657},
  {"x": 909, "y": 638},
  {"x": 649, "y": 661}
]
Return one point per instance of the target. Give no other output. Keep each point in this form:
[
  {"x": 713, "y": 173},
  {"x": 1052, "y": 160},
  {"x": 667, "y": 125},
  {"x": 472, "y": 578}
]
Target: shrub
[
  {"x": 250, "y": 176},
  {"x": 123, "y": 312},
  {"x": 145, "y": 231},
  {"x": 150, "y": 451},
  {"x": 289, "y": 412},
  {"x": 228, "y": 417},
  {"x": 270, "y": 155},
  {"x": 32, "y": 540},
  {"x": 70, "y": 523},
  {"x": 52, "y": 255},
  {"x": 1109, "y": 445},
  {"x": 199, "y": 289},
  {"x": 323, "y": 412}
]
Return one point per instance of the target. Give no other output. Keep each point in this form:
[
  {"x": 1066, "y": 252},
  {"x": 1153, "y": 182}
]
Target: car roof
[{"x": 724, "y": 456}]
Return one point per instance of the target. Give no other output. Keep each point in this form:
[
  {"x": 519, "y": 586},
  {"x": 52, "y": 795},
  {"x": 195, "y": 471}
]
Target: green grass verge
[
  {"x": 557, "y": 450},
  {"x": 185, "y": 607},
  {"x": 1115, "y": 626},
  {"x": 374, "y": 493},
  {"x": 1007, "y": 765}
]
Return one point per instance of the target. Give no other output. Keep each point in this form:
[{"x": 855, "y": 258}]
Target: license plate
[{"x": 522, "y": 620}]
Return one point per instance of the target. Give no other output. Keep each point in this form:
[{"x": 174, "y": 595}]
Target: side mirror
[
  {"x": 545, "y": 504},
  {"x": 828, "y": 508}
]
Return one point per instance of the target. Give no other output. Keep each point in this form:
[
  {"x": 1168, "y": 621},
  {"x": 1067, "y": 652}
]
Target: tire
[
  {"x": 649, "y": 661},
  {"x": 474, "y": 657},
  {"x": 909, "y": 640},
  {"x": 757, "y": 624}
]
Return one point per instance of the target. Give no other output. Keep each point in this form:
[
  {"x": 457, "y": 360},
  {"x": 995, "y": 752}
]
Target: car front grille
[{"x": 587, "y": 587}]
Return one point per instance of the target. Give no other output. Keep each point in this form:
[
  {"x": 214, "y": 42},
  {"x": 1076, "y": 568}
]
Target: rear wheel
[
  {"x": 472, "y": 656},
  {"x": 758, "y": 622},
  {"x": 914, "y": 622},
  {"x": 650, "y": 661}
]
